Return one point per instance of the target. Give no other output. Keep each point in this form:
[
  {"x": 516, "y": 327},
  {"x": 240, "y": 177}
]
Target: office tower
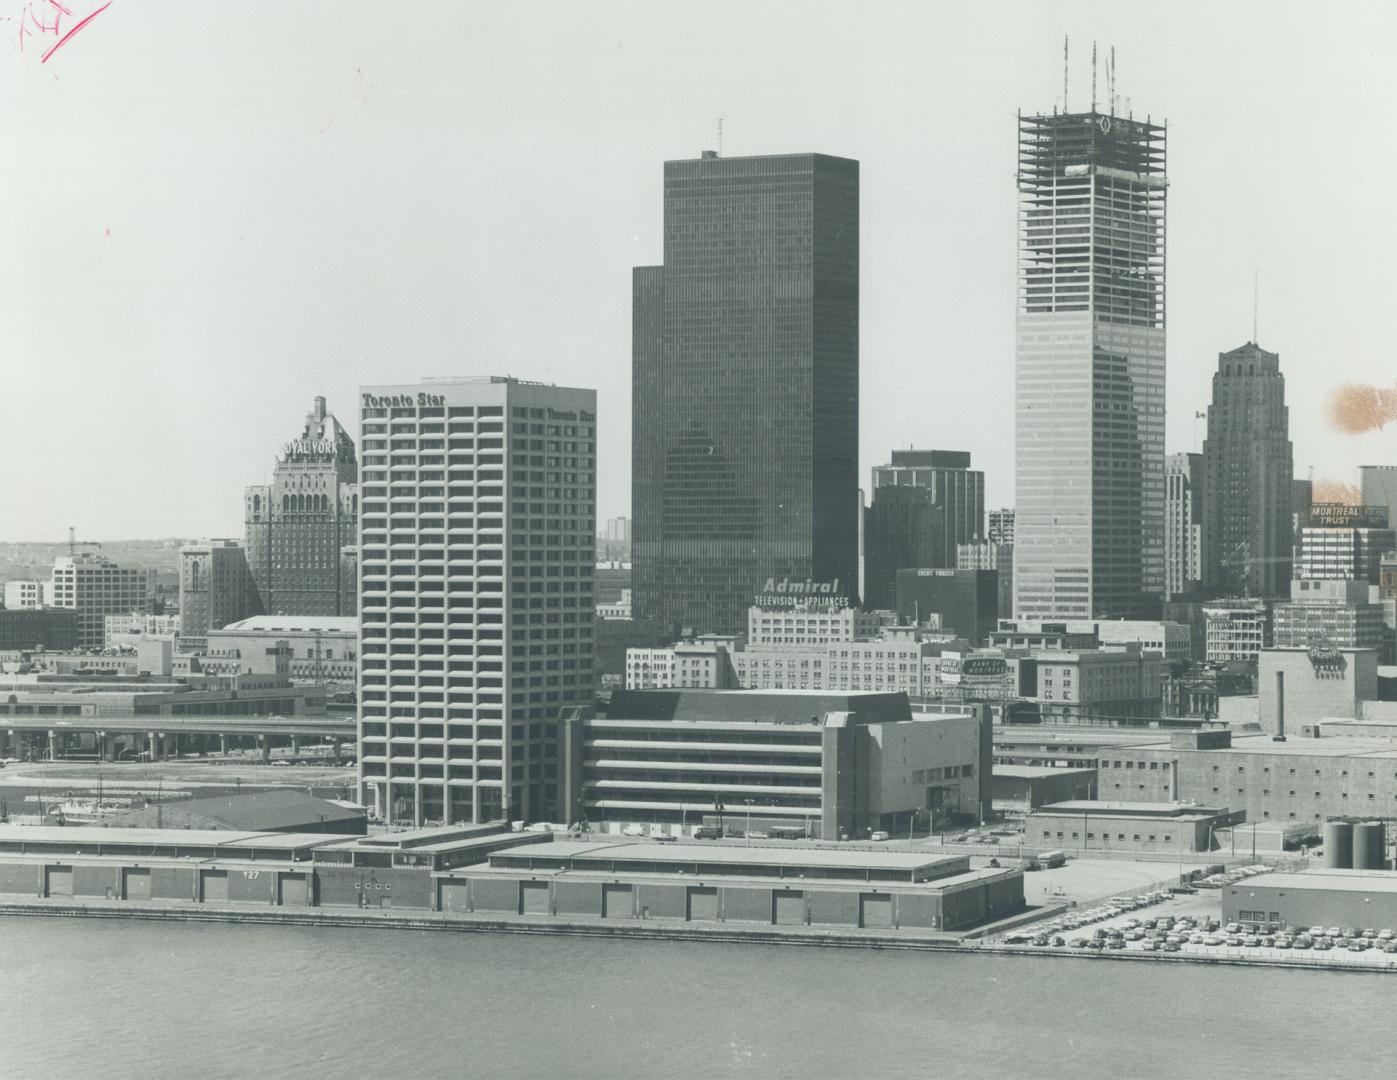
[
  {"x": 297, "y": 525},
  {"x": 1302, "y": 497},
  {"x": 956, "y": 489},
  {"x": 475, "y": 608},
  {"x": 1377, "y": 486},
  {"x": 1000, "y": 529},
  {"x": 745, "y": 397},
  {"x": 1344, "y": 543},
  {"x": 1248, "y": 474},
  {"x": 215, "y": 587},
  {"x": 96, "y": 587},
  {"x": 903, "y": 528},
  {"x": 1089, "y": 380},
  {"x": 1183, "y": 529},
  {"x": 965, "y": 601},
  {"x": 1335, "y": 614}
]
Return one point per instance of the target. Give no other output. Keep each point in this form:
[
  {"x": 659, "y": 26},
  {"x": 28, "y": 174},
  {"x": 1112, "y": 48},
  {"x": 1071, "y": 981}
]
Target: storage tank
[
  {"x": 1368, "y": 841},
  {"x": 1338, "y": 845}
]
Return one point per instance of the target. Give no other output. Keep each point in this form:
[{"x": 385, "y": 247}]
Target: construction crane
[
  {"x": 1242, "y": 557},
  {"x": 73, "y": 543}
]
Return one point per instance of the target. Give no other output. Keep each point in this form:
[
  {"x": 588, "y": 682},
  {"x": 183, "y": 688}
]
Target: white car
[
  {"x": 879, "y": 835},
  {"x": 634, "y": 830}
]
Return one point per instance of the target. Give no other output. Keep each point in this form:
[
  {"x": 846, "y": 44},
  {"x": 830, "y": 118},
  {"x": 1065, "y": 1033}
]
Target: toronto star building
[{"x": 476, "y": 597}]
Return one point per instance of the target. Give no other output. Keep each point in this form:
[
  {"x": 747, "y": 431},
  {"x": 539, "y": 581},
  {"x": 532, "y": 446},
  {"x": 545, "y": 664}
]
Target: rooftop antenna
[
  {"x": 1064, "y": 73},
  {"x": 72, "y": 541},
  {"x": 720, "y": 136},
  {"x": 1093, "y": 77},
  {"x": 1113, "y": 80},
  {"x": 1256, "y": 289}
]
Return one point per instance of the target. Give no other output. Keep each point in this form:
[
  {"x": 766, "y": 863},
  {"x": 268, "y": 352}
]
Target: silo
[
  {"x": 1338, "y": 845},
  {"x": 1368, "y": 845}
]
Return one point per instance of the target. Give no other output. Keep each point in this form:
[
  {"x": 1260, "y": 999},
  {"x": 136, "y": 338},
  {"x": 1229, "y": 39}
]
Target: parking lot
[{"x": 1190, "y": 924}]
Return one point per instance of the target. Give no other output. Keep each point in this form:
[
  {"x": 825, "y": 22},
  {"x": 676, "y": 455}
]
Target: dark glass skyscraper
[
  {"x": 924, "y": 503},
  {"x": 1089, "y": 381},
  {"x": 745, "y": 392},
  {"x": 1247, "y": 477}
]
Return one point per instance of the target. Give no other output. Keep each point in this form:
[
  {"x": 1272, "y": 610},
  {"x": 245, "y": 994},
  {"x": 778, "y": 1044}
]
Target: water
[{"x": 140, "y": 999}]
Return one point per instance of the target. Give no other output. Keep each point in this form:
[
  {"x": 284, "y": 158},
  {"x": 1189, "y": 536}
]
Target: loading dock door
[
  {"x": 617, "y": 902},
  {"x": 533, "y": 898},
  {"x": 703, "y": 903},
  {"x": 215, "y": 886},
  {"x": 788, "y": 908},
  {"x": 137, "y": 884},
  {"x": 60, "y": 881},
  {"x": 294, "y": 890},
  {"x": 455, "y": 896},
  {"x": 876, "y": 911}
]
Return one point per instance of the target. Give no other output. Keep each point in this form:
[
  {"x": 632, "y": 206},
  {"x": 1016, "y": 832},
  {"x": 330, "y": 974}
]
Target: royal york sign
[
  {"x": 299, "y": 448},
  {"x": 788, "y": 593}
]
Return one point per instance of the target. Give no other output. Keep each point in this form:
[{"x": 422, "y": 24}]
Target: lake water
[{"x": 118, "y": 999}]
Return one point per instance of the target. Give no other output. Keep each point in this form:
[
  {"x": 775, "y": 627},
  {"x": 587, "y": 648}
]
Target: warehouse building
[
  {"x": 1087, "y": 827},
  {"x": 1300, "y": 779},
  {"x": 444, "y": 870},
  {"x": 1361, "y": 899},
  {"x": 1021, "y": 788},
  {"x": 712, "y": 883}
]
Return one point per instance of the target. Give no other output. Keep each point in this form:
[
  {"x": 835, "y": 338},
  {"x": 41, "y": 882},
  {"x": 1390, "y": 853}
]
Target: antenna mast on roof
[
  {"x": 1256, "y": 289},
  {"x": 1064, "y": 73},
  {"x": 1111, "y": 81},
  {"x": 720, "y": 136},
  {"x": 1093, "y": 76}
]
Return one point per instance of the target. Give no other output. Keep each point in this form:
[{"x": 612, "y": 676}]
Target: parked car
[
  {"x": 634, "y": 830},
  {"x": 708, "y": 832},
  {"x": 879, "y": 835}
]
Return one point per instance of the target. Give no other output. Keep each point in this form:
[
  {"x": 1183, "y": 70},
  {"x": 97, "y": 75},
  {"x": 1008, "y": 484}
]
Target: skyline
[{"x": 192, "y": 268}]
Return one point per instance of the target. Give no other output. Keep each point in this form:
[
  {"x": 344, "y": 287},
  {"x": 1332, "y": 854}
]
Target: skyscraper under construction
[{"x": 1089, "y": 377}]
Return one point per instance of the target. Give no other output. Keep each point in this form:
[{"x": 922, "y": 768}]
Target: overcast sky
[{"x": 213, "y": 212}]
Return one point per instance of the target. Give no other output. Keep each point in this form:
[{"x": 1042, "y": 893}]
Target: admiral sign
[{"x": 785, "y": 594}]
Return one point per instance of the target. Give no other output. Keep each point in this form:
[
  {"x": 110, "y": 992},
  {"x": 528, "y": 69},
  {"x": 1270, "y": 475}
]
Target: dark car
[{"x": 708, "y": 832}]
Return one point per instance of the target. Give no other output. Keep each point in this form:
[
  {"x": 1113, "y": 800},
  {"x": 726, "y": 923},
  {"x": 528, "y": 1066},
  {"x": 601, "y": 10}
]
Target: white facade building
[
  {"x": 95, "y": 587},
  {"x": 477, "y": 529}
]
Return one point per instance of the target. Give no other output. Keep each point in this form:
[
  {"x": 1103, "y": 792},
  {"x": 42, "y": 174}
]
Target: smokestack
[{"x": 1280, "y": 708}]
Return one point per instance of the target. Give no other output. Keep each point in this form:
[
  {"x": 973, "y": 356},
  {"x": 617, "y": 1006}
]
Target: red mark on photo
[{"x": 46, "y": 20}]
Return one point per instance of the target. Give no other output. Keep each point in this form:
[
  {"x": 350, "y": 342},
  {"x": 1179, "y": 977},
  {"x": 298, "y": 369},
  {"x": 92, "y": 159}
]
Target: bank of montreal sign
[{"x": 785, "y": 594}]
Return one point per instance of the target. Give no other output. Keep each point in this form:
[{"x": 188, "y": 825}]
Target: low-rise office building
[
  {"x": 1236, "y": 629},
  {"x": 825, "y": 764},
  {"x": 38, "y": 628},
  {"x": 1075, "y": 686},
  {"x": 1168, "y": 827},
  {"x": 1332, "y": 614}
]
